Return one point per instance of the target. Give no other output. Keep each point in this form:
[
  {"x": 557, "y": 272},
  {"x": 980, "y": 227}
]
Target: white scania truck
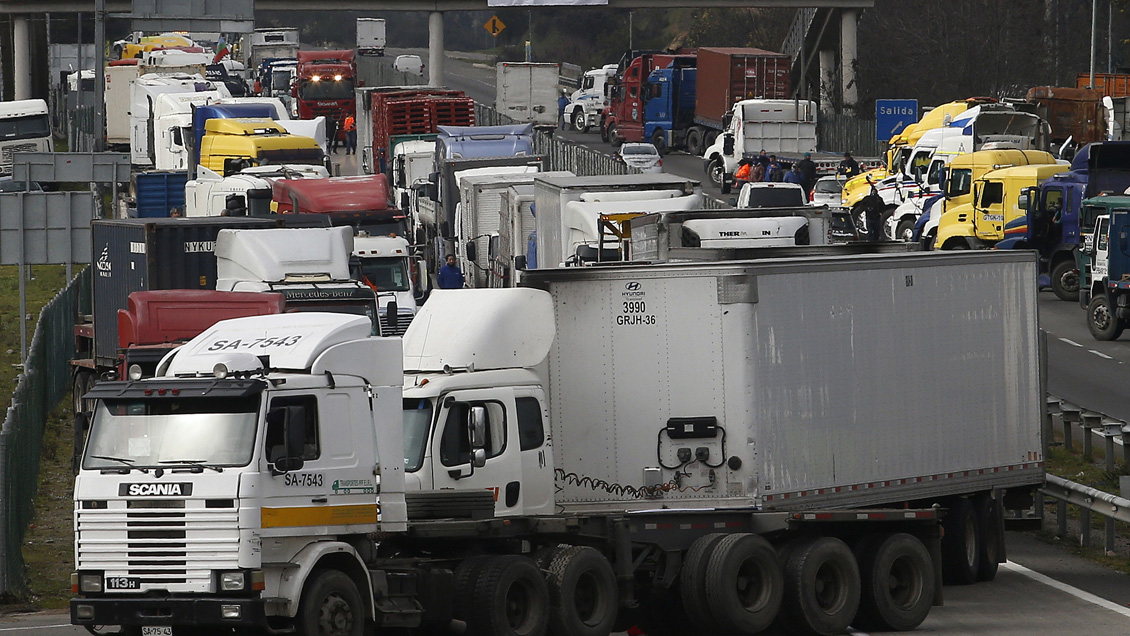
[{"x": 569, "y": 456}]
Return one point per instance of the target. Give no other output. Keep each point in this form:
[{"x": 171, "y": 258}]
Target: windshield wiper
[
  {"x": 123, "y": 460},
  {"x": 199, "y": 463}
]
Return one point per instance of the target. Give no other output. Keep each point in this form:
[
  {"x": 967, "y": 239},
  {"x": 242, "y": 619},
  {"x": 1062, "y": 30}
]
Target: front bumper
[{"x": 197, "y": 612}]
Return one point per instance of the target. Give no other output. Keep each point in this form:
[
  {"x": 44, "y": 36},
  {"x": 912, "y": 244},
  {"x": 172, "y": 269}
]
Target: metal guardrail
[
  {"x": 44, "y": 382},
  {"x": 1089, "y": 500}
]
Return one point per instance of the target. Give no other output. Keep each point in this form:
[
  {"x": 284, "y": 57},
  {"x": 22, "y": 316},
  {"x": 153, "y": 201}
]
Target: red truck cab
[
  {"x": 324, "y": 84},
  {"x": 360, "y": 201},
  {"x": 623, "y": 118}
]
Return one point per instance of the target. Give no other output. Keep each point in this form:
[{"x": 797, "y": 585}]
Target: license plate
[
  {"x": 155, "y": 630},
  {"x": 123, "y": 583}
]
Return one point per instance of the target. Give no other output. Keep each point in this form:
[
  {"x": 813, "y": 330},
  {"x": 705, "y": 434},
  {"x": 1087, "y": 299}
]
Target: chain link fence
[{"x": 44, "y": 382}]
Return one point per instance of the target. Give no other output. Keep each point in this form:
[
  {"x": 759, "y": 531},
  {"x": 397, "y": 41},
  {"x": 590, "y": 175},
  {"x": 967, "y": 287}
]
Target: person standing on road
[
  {"x": 794, "y": 175},
  {"x": 808, "y": 168},
  {"x": 849, "y": 167},
  {"x": 450, "y": 276},
  {"x": 562, "y": 102},
  {"x": 350, "y": 135},
  {"x": 331, "y": 135}
]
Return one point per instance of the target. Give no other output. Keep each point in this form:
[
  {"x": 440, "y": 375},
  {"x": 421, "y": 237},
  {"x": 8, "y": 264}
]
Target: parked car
[
  {"x": 771, "y": 194},
  {"x": 7, "y": 184},
  {"x": 642, "y": 156},
  {"x": 828, "y": 191},
  {"x": 409, "y": 64}
]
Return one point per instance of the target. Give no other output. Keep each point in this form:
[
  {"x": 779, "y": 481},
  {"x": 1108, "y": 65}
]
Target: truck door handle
[{"x": 320, "y": 499}]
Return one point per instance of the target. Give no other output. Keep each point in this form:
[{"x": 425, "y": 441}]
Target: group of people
[{"x": 765, "y": 167}]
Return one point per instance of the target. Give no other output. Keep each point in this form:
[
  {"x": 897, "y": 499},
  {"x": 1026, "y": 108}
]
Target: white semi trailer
[{"x": 690, "y": 448}]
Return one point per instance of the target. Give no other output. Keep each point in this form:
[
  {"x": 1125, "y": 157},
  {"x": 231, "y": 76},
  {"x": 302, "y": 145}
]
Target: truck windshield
[
  {"x": 387, "y": 274},
  {"x": 358, "y": 307},
  {"x": 327, "y": 89},
  {"x": 960, "y": 181},
  {"x": 417, "y": 428},
  {"x": 29, "y": 127},
  {"x": 162, "y": 432}
]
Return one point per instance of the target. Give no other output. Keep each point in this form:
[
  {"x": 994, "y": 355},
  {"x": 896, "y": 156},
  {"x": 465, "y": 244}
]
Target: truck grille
[
  {"x": 6, "y": 154},
  {"x": 165, "y": 544},
  {"x": 401, "y": 325}
]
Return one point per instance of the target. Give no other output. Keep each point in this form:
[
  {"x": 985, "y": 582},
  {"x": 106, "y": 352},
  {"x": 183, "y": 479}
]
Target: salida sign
[{"x": 892, "y": 115}]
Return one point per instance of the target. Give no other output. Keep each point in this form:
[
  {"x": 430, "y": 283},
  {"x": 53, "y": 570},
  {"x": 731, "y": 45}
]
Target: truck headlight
[
  {"x": 89, "y": 582},
  {"x": 232, "y": 581}
]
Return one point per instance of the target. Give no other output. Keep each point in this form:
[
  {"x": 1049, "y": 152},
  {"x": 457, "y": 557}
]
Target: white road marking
[
  {"x": 26, "y": 627},
  {"x": 1100, "y": 354},
  {"x": 1070, "y": 342},
  {"x": 1074, "y": 591}
]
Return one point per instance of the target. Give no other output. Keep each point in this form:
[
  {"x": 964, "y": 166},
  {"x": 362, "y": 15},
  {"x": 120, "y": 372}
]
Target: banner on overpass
[{"x": 543, "y": 3}]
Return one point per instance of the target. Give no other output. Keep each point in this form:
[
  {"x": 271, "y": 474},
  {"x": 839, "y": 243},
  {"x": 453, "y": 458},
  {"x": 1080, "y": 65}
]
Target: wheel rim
[
  {"x": 752, "y": 585},
  {"x": 1101, "y": 316},
  {"x": 829, "y": 588},
  {"x": 589, "y": 599},
  {"x": 970, "y": 531},
  {"x": 907, "y": 233},
  {"x": 518, "y": 600},
  {"x": 717, "y": 174},
  {"x": 335, "y": 617},
  {"x": 1069, "y": 281},
  {"x": 904, "y": 583},
  {"x": 578, "y": 122}
]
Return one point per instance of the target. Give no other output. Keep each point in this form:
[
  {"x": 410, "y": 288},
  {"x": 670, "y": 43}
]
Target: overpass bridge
[{"x": 814, "y": 34}]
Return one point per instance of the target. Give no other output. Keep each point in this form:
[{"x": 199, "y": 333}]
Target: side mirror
[
  {"x": 432, "y": 187},
  {"x": 477, "y": 427},
  {"x": 520, "y": 261},
  {"x": 391, "y": 314},
  {"x": 479, "y": 457},
  {"x": 421, "y": 278},
  {"x": 294, "y": 437},
  {"x": 472, "y": 251},
  {"x": 728, "y": 144},
  {"x": 1022, "y": 201},
  {"x": 727, "y": 119},
  {"x": 1123, "y": 241}
]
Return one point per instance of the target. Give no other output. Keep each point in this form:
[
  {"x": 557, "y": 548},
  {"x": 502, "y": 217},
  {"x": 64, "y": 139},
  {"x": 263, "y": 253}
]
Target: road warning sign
[{"x": 494, "y": 26}]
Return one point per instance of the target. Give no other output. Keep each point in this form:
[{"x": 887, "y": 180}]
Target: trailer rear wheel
[
  {"x": 744, "y": 584},
  {"x": 898, "y": 583},
  {"x": 692, "y": 581},
  {"x": 582, "y": 592},
  {"x": 1065, "y": 281},
  {"x": 510, "y": 599},
  {"x": 694, "y": 141},
  {"x": 821, "y": 587},
  {"x": 331, "y": 606},
  {"x": 988, "y": 517},
  {"x": 961, "y": 544},
  {"x": 1101, "y": 320}
]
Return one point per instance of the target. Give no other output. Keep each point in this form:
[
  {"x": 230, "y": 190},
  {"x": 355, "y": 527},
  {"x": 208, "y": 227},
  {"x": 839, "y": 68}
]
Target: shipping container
[
  {"x": 159, "y": 192},
  {"x": 132, "y": 255},
  {"x": 1109, "y": 84},
  {"x": 1075, "y": 113},
  {"x": 729, "y": 75}
]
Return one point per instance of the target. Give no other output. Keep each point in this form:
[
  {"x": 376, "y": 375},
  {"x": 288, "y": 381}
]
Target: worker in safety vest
[{"x": 350, "y": 135}]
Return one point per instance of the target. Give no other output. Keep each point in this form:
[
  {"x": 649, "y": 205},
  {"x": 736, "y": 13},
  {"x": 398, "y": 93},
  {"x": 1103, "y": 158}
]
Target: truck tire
[
  {"x": 744, "y": 584},
  {"x": 331, "y": 606},
  {"x": 579, "y": 121},
  {"x": 821, "y": 587},
  {"x": 694, "y": 141},
  {"x": 905, "y": 230},
  {"x": 897, "y": 583},
  {"x": 708, "y": 140},
  {"x": 692, "y": 581},
  {"x": 660, "y": 142},
  {"x": 1065, "y": 281},
  {"x": 582, "y": 593},
  {"x": 81, "y": 384},
  {"x": 603, "y": 132},
  {"x": 988, "y": 517},
  {"x": 1101, "y": 320},
  {"x": 613, "y": 137},
  {"x": 716, "y": 173},
  {"x": 961, "y": 544},
  {"x": 510, "y": 599},
  {"x": 466, "y": 573}
]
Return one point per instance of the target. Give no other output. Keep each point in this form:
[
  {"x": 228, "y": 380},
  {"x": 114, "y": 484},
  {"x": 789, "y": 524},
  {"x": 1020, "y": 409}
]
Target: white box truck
[
  {"x": 527, "y": 92},
  {"x": 117, "y": 100},
  {"x": 516, "y": 235},
  {"x": 371, "y": 36},
  {"x": 569, "y": 210},
  {"x": 570, "y": 441}
]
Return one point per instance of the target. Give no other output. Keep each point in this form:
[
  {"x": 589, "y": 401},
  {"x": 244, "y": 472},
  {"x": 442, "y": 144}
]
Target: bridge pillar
[
  {"x": 848, "y": 19},
  {"x": 435, "y": 48},
  {"x": 21, "y": 58},
  {"x": 828, "y": 81}
]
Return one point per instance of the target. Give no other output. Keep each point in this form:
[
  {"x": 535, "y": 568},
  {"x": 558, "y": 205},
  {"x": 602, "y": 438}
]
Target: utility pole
[{"x": 1094, "y": 38}]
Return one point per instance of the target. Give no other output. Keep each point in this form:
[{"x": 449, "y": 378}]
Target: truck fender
[{"x": 329, "y": 554}]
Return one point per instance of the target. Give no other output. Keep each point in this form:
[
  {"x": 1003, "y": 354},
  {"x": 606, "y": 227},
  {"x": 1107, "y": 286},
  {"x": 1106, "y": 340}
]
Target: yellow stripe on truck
[{"x": 318, "y": 516}]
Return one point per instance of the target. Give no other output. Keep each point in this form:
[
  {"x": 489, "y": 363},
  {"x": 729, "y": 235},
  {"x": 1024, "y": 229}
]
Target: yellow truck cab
[
  {"x": 997, "y": 197},
  {"x": 230, "y": 145}
]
